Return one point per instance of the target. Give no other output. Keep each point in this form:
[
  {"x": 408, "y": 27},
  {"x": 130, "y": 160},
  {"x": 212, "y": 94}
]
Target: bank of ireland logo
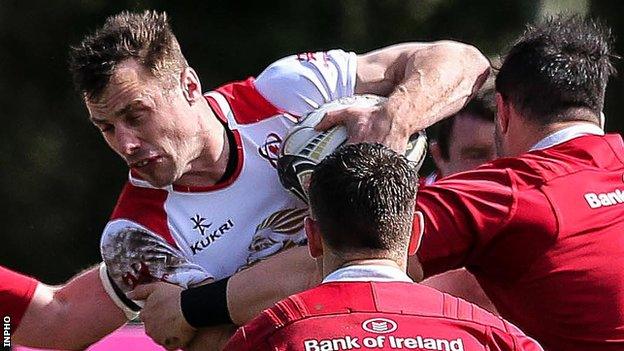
[
  {"x": 379, "y": 325},
  {"x": 270, "y": 148}
]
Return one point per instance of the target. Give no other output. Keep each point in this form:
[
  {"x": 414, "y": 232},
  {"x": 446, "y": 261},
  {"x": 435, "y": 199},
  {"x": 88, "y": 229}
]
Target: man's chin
[{"x": 157, "y": 182}]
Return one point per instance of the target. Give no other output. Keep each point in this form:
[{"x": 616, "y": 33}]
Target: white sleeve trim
[{"x": 108, "y": 287}]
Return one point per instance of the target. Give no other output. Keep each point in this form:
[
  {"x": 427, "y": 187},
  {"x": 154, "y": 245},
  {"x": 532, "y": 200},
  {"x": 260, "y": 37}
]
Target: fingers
[
  {"x": 142, "y": 292},
  {"x": 331, "y": 119}
]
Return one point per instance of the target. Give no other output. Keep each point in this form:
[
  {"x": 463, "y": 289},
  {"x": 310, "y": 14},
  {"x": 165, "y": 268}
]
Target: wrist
[{"x": 206, "y": 305}]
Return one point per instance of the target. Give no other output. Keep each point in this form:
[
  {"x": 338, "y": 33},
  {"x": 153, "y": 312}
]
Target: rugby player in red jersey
[
  {"x": 361, "y": 208},
  {"x": 541, "y": 229}
]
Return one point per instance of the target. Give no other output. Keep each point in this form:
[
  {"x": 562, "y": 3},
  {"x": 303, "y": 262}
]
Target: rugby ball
[{"x": 304, "y": 147}]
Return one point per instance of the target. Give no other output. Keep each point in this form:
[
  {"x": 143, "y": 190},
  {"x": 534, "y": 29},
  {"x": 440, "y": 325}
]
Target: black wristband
[{"x": 206, "y": 305}]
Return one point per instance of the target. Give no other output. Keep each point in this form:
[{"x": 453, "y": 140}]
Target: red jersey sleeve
[
  {"x": 463, "y": 213},
  {"x": 254, "y": 335},
  {"x": 16, "y": 291}
]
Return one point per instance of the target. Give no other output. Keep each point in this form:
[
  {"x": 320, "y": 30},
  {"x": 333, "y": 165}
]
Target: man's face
[
  {"x": 471, "y": 144},
  {"x": 150, "y": 127}
]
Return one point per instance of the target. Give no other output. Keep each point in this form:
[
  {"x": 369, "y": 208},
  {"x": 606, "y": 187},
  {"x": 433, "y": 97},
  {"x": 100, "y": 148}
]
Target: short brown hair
[
  {"x": 146, "y": 37},
  {"x": 363, "y": 198}
]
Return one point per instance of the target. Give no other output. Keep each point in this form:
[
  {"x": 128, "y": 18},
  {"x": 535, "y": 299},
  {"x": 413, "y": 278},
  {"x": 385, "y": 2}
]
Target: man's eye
[
  {"x": 104, "y": 128},
  {"x": 134, "y": 119}
]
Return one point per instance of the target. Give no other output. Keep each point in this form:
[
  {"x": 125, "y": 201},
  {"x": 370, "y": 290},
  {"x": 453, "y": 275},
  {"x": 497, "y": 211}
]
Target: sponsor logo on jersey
[
  {"x": 597, "y": 200},
  {"x": 199, "y": 225},
  {"x": 313, "y": 56},
  {"x": 209, "y": 235},
  {"x": 270, "y": 148},
  {"x": 379, "y": 325},
  {"x": 383, "y": 342}
]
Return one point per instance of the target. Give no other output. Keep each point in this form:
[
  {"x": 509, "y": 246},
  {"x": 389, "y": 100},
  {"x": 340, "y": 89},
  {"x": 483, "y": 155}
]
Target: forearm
[
  {"x": 259, "y": 287},
  {"x": 70, "y": 317},
  {"x": 437, "y": 81}
]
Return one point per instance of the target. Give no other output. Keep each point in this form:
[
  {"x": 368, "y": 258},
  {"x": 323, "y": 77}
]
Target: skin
[
  {"x": 471, "y": 144},
  {"x": 428, "y": 80},
  {"x": 166, "y": 136}
]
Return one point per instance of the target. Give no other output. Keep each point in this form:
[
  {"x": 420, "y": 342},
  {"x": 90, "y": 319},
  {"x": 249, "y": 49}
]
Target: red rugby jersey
[
  {"x": 16, "y": 291},
  {"x": 377, "y": 316},
  {"x": 544, "y": 235}
]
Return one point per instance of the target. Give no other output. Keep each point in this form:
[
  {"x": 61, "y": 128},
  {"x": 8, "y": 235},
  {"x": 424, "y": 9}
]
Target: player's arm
[
  {"x": 235, "y": 300},
  {"x": 69, "y": 317},
  {"x": 259, "y": 287},
  {"x": 462, "y": 214},
  {"x": 425, "y": 82}
]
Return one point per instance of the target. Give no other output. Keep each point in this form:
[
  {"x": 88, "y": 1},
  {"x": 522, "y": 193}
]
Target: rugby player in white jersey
[{"x": 203, "y": 198}]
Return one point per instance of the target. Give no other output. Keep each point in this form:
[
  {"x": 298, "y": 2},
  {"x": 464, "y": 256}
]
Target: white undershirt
[
  {"x": 566, "y": 134},
  {"x": 368, "y": 273}
]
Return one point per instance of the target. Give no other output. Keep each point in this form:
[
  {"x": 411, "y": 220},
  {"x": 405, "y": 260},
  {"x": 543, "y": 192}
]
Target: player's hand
[
  {"x": 162, "y": 314},
  {"x": 368, "y": 124}
]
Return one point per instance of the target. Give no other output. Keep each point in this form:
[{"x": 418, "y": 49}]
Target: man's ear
[
  {"x": 503, "y": 112},
  {"x": 191, "y": 87},
  {"x": 315, "y": 243},
  {"x": 436, "y": 153}
]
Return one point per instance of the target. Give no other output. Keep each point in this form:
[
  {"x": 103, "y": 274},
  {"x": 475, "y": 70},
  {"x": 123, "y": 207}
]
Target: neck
[
  {"x": 532, "y": 134},
  {"x": 209, "y": 164},
  {"x": 333, "y": 262}
]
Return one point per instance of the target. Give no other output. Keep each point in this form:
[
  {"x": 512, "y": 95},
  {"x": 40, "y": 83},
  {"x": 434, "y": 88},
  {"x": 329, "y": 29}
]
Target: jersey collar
[
  {"x": 566, "y": 134},
  {"x": 368, "y": 273}
]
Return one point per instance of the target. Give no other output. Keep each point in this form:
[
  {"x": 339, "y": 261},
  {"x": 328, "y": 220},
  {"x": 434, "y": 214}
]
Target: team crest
[{"x": 271, "y": 148}]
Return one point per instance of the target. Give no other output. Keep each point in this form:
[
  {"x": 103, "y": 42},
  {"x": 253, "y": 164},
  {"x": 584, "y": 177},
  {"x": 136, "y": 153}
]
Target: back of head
[
  {"x": 558, "y": 70},
  {"x": 363, "y": 198},
  {"x": 145, "y": 37}
]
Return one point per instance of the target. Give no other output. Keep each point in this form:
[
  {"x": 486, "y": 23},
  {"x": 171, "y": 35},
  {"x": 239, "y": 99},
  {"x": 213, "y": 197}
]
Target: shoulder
[
  {"x": 141, "y": 206},
  {"x": 243, "y": 101},
  {"x": 464, "y": 315},
  {"x": 488, "y": 183},
  {"x": 255, "y": 334},
  {"x": 300, "y": 83}
]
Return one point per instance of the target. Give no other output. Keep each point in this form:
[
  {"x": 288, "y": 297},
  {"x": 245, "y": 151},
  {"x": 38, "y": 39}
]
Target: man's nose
[{"x": 128, "y": 141}]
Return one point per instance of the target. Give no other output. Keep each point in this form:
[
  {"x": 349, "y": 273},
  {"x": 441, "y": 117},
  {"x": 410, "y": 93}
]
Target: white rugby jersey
[{"x": 234, "y": 223}]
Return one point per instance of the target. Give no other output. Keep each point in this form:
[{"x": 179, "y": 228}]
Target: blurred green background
[{"x": 59, "y": 179}]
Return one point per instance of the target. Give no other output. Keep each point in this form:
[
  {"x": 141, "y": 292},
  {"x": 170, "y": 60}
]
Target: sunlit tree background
[{"x": 59, "y": 179}]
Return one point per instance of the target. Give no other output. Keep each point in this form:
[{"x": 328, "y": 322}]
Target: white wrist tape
[{"x": 108, "y": 286}]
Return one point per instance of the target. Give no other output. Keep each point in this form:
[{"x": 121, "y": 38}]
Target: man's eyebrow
[{"x": 132, "y": 106}]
